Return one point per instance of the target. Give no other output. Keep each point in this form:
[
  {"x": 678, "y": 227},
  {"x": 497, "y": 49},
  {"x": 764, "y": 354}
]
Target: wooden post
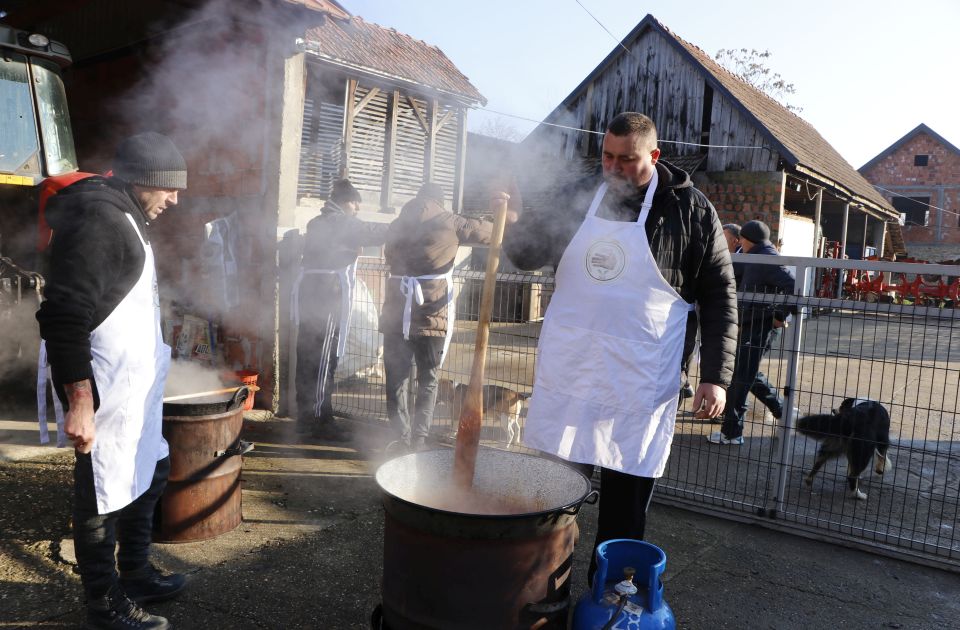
[
  {"x": 461, "y": 160},
  {"x": 843, "y": 247},
  {"x": 349, "y": 114},
  {"x": 389, "y": 152},
  {"x": 430, "y": 150},
  {"x": 817, "y": 214}
]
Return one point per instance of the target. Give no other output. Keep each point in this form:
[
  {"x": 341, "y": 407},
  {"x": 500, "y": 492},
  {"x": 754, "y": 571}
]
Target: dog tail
[{"x": 818, "y": 426}]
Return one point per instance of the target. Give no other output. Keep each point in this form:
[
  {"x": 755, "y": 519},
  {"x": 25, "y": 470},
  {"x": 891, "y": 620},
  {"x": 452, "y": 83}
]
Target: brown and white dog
[
  {"x": 859, "y": 430},
  {"x": 501, "y": 402}
]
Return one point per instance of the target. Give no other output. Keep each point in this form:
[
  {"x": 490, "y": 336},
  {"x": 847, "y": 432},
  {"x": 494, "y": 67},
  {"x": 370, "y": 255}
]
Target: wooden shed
[{"x": 749, "y": 154}]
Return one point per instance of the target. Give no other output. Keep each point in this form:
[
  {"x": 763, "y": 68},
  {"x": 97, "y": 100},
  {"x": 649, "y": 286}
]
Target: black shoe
[
  {"x": 115, "y": 611},
  {"x": 418, "y": 444},
  {"x": 686, "y": 391},
  {"x": 332, "y": 432},
  {"x": 150, "y": 585}
]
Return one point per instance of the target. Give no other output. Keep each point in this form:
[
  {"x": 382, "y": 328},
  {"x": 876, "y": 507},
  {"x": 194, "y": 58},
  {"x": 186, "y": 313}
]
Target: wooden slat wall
[
  {"x": 445, "y": 158},
  {"x": 320, "y": 149},
  {"x": 411, "y": 144},
  {"x": 654, "y": 78},
  {"x": 369, "y": 135}
]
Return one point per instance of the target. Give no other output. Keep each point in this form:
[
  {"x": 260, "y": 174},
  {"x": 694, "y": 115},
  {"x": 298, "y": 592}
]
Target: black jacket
[
  {"x": 96, "y": 258},
  {"x": 759, "y": 278},
  {"x": 334, "y": 240},
  {"x": 686, "y": 239}
]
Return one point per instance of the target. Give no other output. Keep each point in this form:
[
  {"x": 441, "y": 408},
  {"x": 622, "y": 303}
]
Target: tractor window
[
  {"x": 18, "y": 131},
  {"x": 61, "y": 157}
]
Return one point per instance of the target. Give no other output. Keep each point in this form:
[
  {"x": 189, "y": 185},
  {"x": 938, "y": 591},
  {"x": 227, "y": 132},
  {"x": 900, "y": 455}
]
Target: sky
[{"x": 865, "y": 72}]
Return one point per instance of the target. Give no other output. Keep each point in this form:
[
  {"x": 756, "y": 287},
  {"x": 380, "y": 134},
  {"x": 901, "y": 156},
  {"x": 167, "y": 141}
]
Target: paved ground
[{"x": 308, "y": 554}]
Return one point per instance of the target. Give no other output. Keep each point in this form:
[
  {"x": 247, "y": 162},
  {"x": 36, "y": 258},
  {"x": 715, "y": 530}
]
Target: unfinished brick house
[
  {"x": 753, "y": 158},
  {"x": 920, "y": 176}
]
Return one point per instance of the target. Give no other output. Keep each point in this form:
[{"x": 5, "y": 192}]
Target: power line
[{"x": 602, "y": 26}]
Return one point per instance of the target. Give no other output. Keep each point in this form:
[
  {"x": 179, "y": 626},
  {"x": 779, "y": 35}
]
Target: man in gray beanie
[{"x": 100, "y": 323}]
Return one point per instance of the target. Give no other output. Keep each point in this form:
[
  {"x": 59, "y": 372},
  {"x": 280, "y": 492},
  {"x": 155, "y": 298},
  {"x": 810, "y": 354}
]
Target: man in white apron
[
  {"x": 418, "y": 310},
  {"x": 100, "y": 323},
  {"x": 632, "y": 259},
  {"x": 322, "y": 303}
]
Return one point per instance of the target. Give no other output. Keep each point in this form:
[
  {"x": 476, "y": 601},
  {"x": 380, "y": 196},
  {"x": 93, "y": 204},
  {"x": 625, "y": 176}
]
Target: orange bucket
[{"x": 248, "y": 378}]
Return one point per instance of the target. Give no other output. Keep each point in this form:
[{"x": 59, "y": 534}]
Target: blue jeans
[
  {"x": 96, "y": 536},
  {"x": 748, "y": 378}
]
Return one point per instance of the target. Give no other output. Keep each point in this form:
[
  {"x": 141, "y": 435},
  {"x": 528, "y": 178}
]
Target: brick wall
[
  {"x": 939, "y": 180},
  {"x": 741, "y": 196}
]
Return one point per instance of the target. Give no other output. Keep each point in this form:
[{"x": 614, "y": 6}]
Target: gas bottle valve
[{"x": 626, "y": 588}]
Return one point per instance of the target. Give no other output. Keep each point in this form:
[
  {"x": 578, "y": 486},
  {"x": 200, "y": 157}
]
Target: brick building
[
  {"x": 920, "y": 175},
  {"x": 753, "y": 158}
]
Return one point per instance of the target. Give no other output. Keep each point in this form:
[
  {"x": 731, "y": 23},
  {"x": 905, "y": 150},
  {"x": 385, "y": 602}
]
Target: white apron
[
  {"x": 130, "y": 365},
  {"x": 608, "y": 360},
  {"x": 413, "y": 293},
  {"x": 348, "y": 280}
]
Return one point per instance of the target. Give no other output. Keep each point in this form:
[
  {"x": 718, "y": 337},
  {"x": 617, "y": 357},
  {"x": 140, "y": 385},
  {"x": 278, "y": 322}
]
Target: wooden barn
[{"x": 751, "y": 156}]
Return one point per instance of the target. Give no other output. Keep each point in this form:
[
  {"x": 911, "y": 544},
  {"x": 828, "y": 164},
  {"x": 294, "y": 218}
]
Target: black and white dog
[{"x": 859, "y": 430}]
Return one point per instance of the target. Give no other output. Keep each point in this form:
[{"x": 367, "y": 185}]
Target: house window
[
  {"x": 915, "y": 209},
  {"x": 921, "y": 160}
]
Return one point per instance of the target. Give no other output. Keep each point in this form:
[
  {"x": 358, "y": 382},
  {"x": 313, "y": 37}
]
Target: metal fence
[{"x": 904, "y": 355}]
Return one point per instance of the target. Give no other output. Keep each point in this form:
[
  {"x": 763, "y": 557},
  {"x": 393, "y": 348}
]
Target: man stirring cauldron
[
  {"x": 632, "y": 258},
  {"x": 100, "y": 323}
]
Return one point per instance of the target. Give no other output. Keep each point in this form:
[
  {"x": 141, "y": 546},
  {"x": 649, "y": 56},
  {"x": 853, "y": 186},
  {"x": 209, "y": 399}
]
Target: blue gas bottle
[{"x": 616, "y": 602}]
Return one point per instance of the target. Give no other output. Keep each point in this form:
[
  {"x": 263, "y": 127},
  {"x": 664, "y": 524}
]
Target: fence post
[{"x": 801, "y": 288}]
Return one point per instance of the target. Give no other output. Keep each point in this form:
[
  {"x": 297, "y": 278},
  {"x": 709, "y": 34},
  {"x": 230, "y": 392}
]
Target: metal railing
[{"x": 905, "y": 356}]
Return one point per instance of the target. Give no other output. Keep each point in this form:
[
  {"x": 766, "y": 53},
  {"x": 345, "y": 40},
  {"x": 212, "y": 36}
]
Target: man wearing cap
[
  {"x": 758, "y": 320},
  {"x": 100, "y": 322},
  {"x": 419, "y": 310},
  {"x": 322, "y": 303}
]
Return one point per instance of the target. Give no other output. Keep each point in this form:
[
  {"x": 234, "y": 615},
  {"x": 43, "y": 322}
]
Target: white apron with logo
[
  {"x": 130, "y": 365},
  {"x": 609, "y": 354}
]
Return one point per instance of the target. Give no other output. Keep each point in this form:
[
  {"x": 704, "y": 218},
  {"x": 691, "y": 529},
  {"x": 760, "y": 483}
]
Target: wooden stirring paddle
[{"x": 471, "y": 415}]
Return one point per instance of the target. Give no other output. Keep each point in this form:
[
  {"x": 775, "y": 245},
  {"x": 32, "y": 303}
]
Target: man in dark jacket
[
  {"x": 323, "y": 297},
  {"x": 612, "y": 340},
  {"x": 100, "y": 323},
  {"x": 758, "y": 320},
  {"x": 418, "y": 311}
]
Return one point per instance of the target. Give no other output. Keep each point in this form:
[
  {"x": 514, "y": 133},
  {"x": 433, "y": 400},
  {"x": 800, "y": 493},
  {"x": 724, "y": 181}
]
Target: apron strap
[
  {"x": 412, "y": 292},
  {"x": 43, "y": 377},
  {"x": 644, "y": 208}
]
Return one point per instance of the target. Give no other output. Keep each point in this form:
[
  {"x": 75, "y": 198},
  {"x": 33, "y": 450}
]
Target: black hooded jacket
[
  {"x": 96, "y": 258},
  {"x": 686, "y": 239}
]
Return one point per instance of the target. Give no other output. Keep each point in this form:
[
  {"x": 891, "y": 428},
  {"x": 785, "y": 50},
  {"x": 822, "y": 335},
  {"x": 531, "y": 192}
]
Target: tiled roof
[{"x": 389, "y": 53}]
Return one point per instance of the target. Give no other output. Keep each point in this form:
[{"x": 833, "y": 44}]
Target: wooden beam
[
  {"x": 817, "y": 213},
  {"x": 389, "y": 152},
  {"x": 430, "y": 150},
  {"x": 843, "y": 246},
  {"x": 461, "y": 160},
  {"x": 349, "y": 115},
  {"x": 446, "y": 118},
  {"x": 366, "y": 99},
  {"x": 416, "y": 109}
]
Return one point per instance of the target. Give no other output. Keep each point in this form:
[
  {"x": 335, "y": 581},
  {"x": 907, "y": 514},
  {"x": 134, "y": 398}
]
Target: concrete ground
[{"x": 308, "y": 553}]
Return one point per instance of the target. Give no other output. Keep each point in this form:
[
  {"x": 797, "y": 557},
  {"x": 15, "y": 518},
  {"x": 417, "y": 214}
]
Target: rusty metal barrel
[
  {"x": 202, "y": 498},
  {"x": 469, "y": 567}
]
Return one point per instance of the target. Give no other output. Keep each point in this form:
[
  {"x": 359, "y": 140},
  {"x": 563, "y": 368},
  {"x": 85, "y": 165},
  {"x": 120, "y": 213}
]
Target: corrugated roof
[
  {"x": 797, "y": 141},
  {"x": 387, "y": 52}
]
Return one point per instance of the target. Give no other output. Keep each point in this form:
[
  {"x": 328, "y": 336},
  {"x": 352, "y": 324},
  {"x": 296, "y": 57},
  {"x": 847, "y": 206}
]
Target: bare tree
[
  {"x": 751, "y": 66},
  {"x": 500, "y": 129}
]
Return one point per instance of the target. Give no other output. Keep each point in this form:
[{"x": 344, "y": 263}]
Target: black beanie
[
  {"x": 150, "y": 159},
  {"x": 344, "y": 192},
  {"x": 755, "y": 232}
]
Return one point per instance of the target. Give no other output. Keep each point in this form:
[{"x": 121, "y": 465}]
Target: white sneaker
[{"x": 717, "y": 437}]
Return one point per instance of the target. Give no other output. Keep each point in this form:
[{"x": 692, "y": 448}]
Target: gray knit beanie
[{"x": 150, "y": 159}]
